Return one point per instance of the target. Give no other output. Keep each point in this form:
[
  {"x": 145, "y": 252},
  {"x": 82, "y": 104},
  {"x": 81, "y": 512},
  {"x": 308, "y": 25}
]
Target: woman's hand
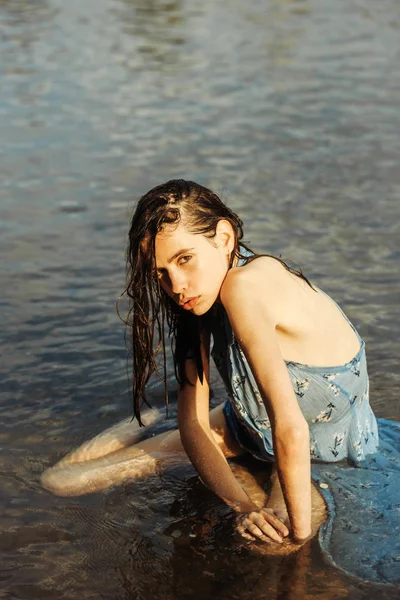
[{"x": 262, "y": 524}]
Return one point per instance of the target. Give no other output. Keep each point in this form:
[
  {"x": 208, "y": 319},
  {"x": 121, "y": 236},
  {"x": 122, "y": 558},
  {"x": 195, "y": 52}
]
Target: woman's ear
[{"x": 225, "y": 236}]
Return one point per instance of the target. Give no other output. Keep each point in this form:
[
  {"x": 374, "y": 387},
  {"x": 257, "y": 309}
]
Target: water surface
[{"x": 289, "y": 110}]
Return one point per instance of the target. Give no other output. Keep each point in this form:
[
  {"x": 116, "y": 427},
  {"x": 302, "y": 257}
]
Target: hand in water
[{"x": 262, "y": 524}]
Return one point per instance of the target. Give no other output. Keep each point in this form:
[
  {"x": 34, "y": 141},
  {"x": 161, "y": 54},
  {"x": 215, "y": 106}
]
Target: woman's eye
[{"x": 184, "y": 259}]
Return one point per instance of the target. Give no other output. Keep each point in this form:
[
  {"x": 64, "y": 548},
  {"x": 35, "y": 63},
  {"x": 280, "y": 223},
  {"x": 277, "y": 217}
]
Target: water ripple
[{"x": 289, "y": 110}]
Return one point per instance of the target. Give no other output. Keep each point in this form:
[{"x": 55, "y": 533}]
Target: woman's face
[{"x": 192, "y": 267}]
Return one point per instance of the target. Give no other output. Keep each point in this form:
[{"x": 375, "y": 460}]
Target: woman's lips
[{"x": 190, "y": 303}]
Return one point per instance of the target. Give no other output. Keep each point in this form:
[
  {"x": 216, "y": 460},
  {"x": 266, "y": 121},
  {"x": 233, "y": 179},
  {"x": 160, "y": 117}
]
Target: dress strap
[{"x": 246, "y": 254}]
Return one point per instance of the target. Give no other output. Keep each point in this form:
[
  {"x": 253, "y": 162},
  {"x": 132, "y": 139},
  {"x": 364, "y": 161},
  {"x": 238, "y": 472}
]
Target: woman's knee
[{"x": 58, "y": 481}]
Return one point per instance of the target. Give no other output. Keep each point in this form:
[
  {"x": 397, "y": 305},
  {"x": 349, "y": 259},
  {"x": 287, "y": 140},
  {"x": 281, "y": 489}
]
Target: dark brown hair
[{"x": 150, "y": 308}]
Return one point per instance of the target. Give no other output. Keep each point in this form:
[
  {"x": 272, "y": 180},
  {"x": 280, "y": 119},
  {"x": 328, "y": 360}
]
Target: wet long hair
[{"x": 151, "y": 311}]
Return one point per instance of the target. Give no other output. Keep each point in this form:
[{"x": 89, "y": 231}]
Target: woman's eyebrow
[{"x": 169, "y": 260}]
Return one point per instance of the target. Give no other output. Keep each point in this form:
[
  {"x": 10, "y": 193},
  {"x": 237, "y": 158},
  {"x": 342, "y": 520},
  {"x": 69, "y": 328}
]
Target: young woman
[{"x": 293, "y": 365}]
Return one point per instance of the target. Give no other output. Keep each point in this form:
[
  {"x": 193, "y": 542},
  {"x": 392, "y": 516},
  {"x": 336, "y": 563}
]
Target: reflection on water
[{"x": 289, "y": 110}]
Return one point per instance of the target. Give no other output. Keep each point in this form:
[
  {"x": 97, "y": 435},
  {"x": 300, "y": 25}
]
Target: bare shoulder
[
  {"x": 260, "y": 290},
  {"x": 263, "y": 274}
]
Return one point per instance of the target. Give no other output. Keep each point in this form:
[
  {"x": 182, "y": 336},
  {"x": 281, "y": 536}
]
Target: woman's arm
[
  {"x": 197, "y": 438},
  {"x": 208, "y": 458},
  {"x": 251, "y": 310}
]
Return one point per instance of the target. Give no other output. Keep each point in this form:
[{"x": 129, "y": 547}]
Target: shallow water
[{"x": 290, "y": 110}]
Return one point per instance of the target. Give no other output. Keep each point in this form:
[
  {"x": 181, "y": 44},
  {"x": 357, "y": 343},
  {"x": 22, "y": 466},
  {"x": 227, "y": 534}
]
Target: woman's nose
[{"x": 177, "y": 282}]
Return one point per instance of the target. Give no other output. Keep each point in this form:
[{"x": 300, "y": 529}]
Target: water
[{"x": 290, "y": 110}]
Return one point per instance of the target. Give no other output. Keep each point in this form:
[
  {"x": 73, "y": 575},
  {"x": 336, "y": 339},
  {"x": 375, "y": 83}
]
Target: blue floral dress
[
  {"x": 333, "y": 400},
  {"x": 354, "y": 456}
]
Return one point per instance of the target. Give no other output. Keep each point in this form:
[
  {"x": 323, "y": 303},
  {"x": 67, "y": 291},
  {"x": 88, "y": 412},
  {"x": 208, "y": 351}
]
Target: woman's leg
[
  {"x": 113, "y": 456},
  {"x": 115, "y": 438}
]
